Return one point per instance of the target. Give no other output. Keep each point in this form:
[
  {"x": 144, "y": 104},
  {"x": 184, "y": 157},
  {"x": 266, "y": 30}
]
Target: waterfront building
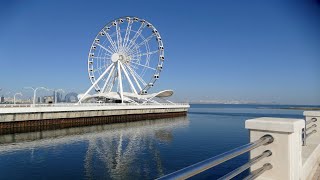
[
  {"x": 26, "y": 101},
  {"x": 48, "y": 99},
  {"x": 40, "y": 100},
  {"x": 59, "y": 97}
]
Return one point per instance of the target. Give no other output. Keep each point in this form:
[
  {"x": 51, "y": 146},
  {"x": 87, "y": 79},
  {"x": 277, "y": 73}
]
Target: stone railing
[
  {"x": 296, "y": 146},
  {"x": 294, "y": 150},
  {"x": 311, "y": 148},
  {"x": 286, "y": 149}
]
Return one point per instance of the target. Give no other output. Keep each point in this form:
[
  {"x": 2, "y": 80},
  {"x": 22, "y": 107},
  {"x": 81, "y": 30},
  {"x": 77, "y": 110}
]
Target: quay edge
[{"x": 28, "y": 119}]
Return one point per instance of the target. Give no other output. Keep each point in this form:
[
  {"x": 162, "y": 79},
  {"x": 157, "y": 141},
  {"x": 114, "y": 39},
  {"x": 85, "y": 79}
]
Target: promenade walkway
[{"x": 317, "y": 174}]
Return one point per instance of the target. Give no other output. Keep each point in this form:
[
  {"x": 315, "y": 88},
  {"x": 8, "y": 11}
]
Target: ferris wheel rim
[{"x": 124, "y": 49}]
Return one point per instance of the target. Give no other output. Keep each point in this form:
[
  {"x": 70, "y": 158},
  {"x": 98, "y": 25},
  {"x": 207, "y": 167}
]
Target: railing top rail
[
  {"x": 247, "y": 165},
  {"x": 216, "y": 160}
]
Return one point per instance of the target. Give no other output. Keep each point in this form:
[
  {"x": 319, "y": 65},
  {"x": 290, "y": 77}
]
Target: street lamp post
[
  {"x": 35, "y": 92},
  {"x": 14, "y": 97}
]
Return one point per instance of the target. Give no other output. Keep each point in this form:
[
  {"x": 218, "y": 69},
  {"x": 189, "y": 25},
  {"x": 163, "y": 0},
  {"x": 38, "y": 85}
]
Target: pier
[{"x": 44, "y": 117}]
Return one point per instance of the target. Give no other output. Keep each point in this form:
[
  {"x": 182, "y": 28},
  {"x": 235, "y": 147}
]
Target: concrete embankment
[{"x": 14, "y": 120}]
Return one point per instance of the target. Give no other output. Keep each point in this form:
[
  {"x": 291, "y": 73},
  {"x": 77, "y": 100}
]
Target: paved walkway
[{"x": 317, "y": 174}]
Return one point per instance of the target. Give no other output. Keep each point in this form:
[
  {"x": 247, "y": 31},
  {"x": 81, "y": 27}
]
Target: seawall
[{"x": 28, "y": 119}]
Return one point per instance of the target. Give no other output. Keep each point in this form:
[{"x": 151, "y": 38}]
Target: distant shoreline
[
  {"x": 302, "y": 108},
  {"x": 289, "y": 107}
]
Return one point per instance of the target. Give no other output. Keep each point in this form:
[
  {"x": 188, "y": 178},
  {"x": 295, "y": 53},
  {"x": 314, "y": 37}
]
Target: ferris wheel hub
[{"x": 115, "y": 57}]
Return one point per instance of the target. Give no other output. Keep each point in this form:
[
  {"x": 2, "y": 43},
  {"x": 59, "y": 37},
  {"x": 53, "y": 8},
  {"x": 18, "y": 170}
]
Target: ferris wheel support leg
[
  {"x": 134, "y": 78},
  {"x": 134, "y": 102},
  {"x": 120, "y": 81},
  {"x": 95, "y": 83},
  {"x": 126, "y": 74},
  {"x": 108, "y": 78},
  {"x": 154, "y": 101},
  {"x": 150, "y": 100},
  {"x": 168, "y": 101},
  {"x": 135, "y": 75}
]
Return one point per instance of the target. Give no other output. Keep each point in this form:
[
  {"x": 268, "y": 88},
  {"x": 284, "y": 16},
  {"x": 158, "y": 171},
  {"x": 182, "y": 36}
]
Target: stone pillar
[
  {"x": 311, "y": 148},
  {"x": 286, "y": 147},
  {"x": 313, "y": 116}
]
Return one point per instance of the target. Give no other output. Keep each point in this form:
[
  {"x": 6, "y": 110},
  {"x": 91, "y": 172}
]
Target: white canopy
[{"x": 127, "y": 97}]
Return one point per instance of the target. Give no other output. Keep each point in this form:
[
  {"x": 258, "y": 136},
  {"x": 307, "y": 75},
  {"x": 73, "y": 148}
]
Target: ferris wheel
[{"x": 127, "y": 55}]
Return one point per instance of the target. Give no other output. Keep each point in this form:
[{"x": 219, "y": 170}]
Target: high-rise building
[
  {"x": 59, "y": 97},
  {"x": 40, "y": 99},
  {"x": 2, "y": 99},
  {"x": 54, "y": 95}
]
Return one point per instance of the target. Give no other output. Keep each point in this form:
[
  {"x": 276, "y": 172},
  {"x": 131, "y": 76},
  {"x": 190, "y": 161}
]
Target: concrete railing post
[
  {"x": 311, "y": 148},
  {"x": 314, "y": 118},
  {"x": 286, "y": 147}
]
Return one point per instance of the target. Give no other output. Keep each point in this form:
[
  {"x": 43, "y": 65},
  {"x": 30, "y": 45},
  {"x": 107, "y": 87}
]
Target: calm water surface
[{"x": 139, "y": 150}]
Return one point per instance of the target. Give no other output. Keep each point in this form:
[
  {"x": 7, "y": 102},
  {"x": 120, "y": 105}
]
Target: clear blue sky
[{"x": 244, "y": 50}]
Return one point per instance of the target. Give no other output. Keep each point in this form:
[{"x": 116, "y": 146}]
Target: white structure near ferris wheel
[{"x": 124, "y": 62}]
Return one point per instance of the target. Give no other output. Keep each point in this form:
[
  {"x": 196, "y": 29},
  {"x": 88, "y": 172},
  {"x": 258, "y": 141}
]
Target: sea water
[{"x": 137, "y": 150}]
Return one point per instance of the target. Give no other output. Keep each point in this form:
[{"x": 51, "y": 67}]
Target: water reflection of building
[{"x": 120, "y": 149}]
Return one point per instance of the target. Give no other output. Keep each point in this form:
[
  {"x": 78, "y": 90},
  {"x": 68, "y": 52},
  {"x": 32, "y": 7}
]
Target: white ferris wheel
[{"x": 125, "y": 60}]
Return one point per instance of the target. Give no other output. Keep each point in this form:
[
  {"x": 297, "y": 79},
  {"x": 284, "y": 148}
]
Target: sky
[{"x": 260, "y": 51}]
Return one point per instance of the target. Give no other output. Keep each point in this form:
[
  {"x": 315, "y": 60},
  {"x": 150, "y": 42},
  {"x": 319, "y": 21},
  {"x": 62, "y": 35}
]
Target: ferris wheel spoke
[
  {"x": 137, "y": 46},
  {"x": 143, "y": 65},
  {"x": 104, "y": 48},
  {"x": 129, "y": 51},
  {"x": 146, "y": 54},
  {"x": 99, "y": 57},
  {"x": 145, "y": 40},
  {"x": 111, "y": 41},
  {"x": 134, "y": 77},
  {"x": 132, "y": 51},
  {"x": 128, "y": 78},
  {"x": 110, "y": 86},
  {"x": 127, "y": 35},
  {"x": 135, "y": 37},
  {"x": 98, "y": 69},
  {"x": 137, "y": 75},
  {"x": 107, "y": 80},
  {"x": 111, "y": 49},
  {"x": 135, "y": 60},
  {"x": 147, "y": 58},
  {"x": 119, "y": 38}
]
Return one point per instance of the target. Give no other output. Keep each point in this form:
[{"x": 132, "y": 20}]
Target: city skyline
[
  {"x": 215, "y": 51},
  {"x": 42, "y": 97}
]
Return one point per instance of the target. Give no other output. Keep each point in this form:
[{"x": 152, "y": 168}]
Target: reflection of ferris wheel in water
[{"x": 126, "y": 56}]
